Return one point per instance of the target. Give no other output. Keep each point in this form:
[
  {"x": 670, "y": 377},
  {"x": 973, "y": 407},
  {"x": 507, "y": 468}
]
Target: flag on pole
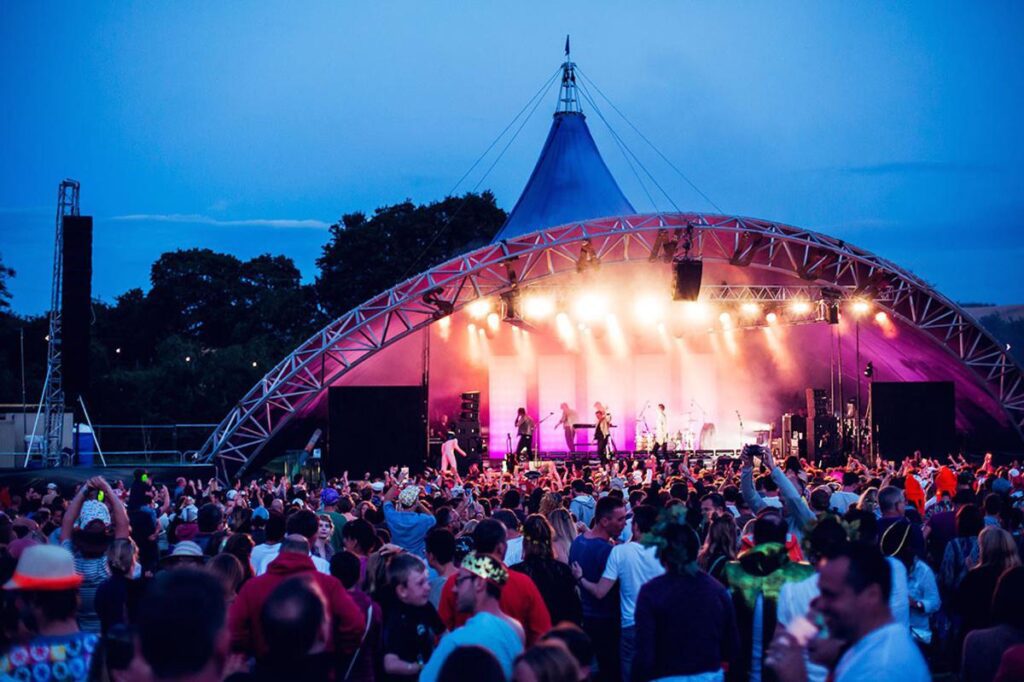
[{"x": 566, "y": 44}]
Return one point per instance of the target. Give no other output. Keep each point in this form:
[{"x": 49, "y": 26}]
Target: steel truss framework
[{"x": 505, "y": 267}]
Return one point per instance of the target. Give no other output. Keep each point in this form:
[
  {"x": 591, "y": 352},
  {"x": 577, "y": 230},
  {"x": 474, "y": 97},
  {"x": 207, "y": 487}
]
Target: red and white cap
[{"x": 44, "y": 568}]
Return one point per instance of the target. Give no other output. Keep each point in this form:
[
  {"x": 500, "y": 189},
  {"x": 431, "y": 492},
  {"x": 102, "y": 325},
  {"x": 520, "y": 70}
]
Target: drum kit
[{"x": 688, "y": 439}]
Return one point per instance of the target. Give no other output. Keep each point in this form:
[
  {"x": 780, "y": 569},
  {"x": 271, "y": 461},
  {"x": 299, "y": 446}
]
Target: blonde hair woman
[
  {"x": 997, "y": 553},
  {"x": 565, "y": 533}
]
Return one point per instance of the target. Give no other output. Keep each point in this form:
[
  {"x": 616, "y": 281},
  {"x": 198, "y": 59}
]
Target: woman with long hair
[
  {"x": 983, "y": 648},
  {"x": 961, "y": 553},
  {"x": 549, "y": 502},
  {"x": 719, "y": 546},
  {"x": 565, "y": 532},
  {"x": 241, "y": 546},
  {"x": 553, "y": 578},
  {"x": 997, "y": 553}
]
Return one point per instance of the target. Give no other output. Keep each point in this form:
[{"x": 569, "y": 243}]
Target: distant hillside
[
  {"x": 1007, "y": 312},
  {"x": 1005, "y": 322}
]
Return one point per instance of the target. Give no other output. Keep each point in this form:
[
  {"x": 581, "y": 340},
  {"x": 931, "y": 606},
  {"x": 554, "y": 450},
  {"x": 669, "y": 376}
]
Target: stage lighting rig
[{"x": 442, "y": 308}]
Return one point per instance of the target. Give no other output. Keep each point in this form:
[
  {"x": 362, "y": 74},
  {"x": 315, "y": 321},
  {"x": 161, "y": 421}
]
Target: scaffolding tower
[{"x": 51, "y": 406}]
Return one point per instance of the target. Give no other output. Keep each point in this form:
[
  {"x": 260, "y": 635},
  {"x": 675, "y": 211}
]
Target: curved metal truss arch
[{"x": 504, "y": 267}]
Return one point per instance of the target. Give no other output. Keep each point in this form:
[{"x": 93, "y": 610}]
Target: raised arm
[
  {"x": 118, "y": 514},
  {"x": 67, "y": 526}
]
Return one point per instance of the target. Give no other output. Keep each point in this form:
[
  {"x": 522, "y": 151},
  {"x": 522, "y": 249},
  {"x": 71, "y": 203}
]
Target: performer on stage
[
  {"x": 524, "y": 427},
  {"x": 660, "y": 431},
  {"x": 602, "y": 432},
  {"x": 448, "y": 449},
  {"x": 569, "y": 417}
]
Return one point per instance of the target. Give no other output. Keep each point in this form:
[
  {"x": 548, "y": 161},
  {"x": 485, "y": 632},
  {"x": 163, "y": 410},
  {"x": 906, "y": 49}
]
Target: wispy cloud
[
  {"x": 196, "y": 219},
  {"x": 919, "y": 167}
]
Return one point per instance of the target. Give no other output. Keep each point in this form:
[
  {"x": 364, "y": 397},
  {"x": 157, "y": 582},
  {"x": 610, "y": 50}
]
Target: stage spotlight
[
  {"x": 493, "y": 321},
  {"x": 801, "y": 307},
  {"x": 590, "y": 307},
  {"x": 479, "y": 308},
  {"x": 538, "y": 307},
  {"x": 772, "y": 318},
  {"x": 869, "y": 370},
  {"x": 861, "y": 307},
  {"x": 726, "y": 320},
  {"x": 648, "y": 309},
  {"x": 696, "y": 311},
  {"x": 881, "y": 317},
  {"x": 686, "y": 276},
  {"x": 750, "y": 309}
]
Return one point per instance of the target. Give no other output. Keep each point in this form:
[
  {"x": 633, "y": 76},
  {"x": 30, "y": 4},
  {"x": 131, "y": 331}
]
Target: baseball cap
[{"x": 329, "y": 496}]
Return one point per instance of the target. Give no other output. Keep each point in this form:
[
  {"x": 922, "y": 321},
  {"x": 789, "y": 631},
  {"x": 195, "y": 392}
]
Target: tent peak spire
[{"x": 568, "y": 97}]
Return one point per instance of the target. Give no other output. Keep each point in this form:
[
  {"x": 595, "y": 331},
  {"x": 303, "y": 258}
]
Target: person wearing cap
[
  {"x": 45, "y": 586},
  {"x": 478, "y": 586},
  {"x": 410, "y": 521},
  {"x": 329, "y": 499},
  {"x": 86, "y": 533}
]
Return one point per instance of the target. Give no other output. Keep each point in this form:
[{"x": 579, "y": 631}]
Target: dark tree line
[{"x": 211, "y": 325}]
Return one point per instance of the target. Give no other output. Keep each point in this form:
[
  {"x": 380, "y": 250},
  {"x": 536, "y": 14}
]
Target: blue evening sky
[{"x": 248, "y": 127}]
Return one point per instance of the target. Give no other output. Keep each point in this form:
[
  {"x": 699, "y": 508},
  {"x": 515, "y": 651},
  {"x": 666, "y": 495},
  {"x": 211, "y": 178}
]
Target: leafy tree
[
  {"x": 366, "y": 256},
  {"x": 5, "y": 294}
]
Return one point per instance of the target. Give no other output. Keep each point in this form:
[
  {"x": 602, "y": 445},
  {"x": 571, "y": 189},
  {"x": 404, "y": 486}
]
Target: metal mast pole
[
  {"x": 53, "y": 391},
  {"x": 568, "y": 98}
]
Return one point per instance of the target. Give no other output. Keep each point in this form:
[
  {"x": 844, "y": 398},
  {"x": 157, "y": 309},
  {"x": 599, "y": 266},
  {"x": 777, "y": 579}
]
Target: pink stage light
[{"x": 479, "y": 308}]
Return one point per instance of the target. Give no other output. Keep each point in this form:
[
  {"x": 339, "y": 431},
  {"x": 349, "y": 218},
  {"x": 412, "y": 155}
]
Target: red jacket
[
  {"x": 520, "y": 599},
  {"x": 347, "y": 619}
]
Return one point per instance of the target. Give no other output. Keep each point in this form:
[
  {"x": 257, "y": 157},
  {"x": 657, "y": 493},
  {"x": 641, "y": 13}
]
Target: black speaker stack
[
  {"x": 467, "y": 426},
  {"x": 822, "y": 428},
  {"x": 686, "y": 276},
  {"x": 76, "y": 308},
  {"x": 794, "y": 435}
]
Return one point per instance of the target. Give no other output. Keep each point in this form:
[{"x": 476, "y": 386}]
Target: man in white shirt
[
  {"x": 631, "y": 565},
  {"x": 304, "y": 523},
  {"x": 660, "y": 430},
  {"x": 854, "y": 600},
  {"x": 842, "y": 500}
]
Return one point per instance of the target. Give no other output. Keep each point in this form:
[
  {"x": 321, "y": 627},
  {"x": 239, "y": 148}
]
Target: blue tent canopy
[{"x": 569, "y": 183}]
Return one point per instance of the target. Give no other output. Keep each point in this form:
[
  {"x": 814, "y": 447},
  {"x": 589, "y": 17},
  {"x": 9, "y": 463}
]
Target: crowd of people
[{"x": 640, "y": 570}]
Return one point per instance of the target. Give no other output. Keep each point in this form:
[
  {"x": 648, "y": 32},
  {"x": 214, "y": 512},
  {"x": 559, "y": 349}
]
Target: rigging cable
[
  {"x": 651, "y": 144},
  {"x": 535, "y": 100}
]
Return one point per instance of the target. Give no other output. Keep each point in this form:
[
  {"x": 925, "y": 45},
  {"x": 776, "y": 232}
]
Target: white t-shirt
[
  {"x": 514, "y": 551},
  {"x": 632, "y": 565},
  {"x": 322, "y": 565},
  {"x": 260, "y": 552},
  {"x": 842, "y": 500},
  {"x": 880, "y": 655}
]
